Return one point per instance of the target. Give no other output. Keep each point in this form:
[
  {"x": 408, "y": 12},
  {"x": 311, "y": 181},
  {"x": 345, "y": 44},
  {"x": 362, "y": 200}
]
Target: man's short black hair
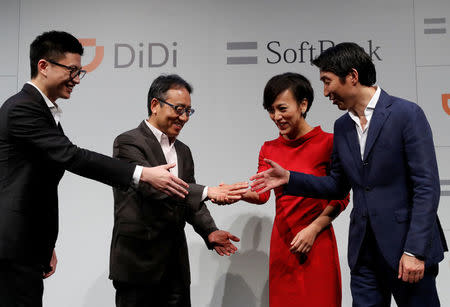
[
  {"x": 343, "y": 57},
  {"x": 162, "y": 84},
  {"x": 52, "y": 45},
  {"x": 297, "y": 83}
]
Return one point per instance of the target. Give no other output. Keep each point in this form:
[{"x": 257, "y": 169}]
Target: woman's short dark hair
[
  {"x": 162, "y": 84},
  {"x": 344, "y": 57},
  {"x": 296, "y": 83},
  {"x": 52, "y": 45}
]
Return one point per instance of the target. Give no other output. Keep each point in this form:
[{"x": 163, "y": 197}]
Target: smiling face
[
  {"x": 58, "y": 82},
  {"x": 164, "y": 117},
  {"x": 286, "y": 113},
  {"x": 338, "y": 91}
]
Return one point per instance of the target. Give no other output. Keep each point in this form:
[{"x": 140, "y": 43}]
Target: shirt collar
[
  {"x": 49, "y": 103},
  {"x": 370, "y": 106},
  {"x": 160, "y": 136},
  {"x": 54, "y": 108}
]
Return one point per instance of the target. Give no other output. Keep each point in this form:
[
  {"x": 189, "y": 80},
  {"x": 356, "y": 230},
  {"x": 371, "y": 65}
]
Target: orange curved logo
[
  {"x": 446, "y": 103},
  {"x": 99, "y": 53}
]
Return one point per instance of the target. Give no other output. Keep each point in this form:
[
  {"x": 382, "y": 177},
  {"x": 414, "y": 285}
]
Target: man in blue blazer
[{"x": 384, "y": 151}]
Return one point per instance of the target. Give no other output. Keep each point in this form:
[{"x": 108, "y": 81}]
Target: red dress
[{"x": 296, "y": 280}]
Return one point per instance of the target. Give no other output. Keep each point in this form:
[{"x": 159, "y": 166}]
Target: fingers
[
  {"x": 400, "y": 269},
  {"x": 219, "y": 250},
  {"x": 238, "y": 186},
  {"x": 179, "y": 182},
  {"x": 233, "y": 238},
  {"x": 169, "y": 166},
  {"x": 225, "y": 250},
  {"x": 257, "y": 176},
  {"x": 173, "y": 192},
  {"x": 261, "y": 188},
  {"x": 258, "y": 184},
  {"x": 271, "y": 163},
  {"x": 410, "y": 269},
  {"x": 48, "y": 274}
]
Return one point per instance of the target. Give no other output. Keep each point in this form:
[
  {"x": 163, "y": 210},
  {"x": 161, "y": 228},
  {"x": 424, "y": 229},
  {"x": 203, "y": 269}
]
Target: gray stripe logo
[
  {"x": 242, "y": 60},
  {"x": 438, "y": 23},
  {"x": 445, "y": 183}
]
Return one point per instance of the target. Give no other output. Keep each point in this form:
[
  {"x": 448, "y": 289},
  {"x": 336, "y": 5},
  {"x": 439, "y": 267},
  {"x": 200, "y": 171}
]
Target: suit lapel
[
  {"x": 60, "y": 128},
  {"x": 153, "y": 145},
  {"x": 380, "y": 114},
  {"x": 352, "y": 140},
  {"x": 38, "y": 98},
  {"x": 180, "y": 159}
]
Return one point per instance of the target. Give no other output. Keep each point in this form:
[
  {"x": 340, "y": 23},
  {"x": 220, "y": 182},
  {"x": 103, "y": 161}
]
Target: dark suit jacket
[
  {"x": 34, "y": 152},
  {"x": 148, "y": 230},
  {"x": 395, "y": 187}
]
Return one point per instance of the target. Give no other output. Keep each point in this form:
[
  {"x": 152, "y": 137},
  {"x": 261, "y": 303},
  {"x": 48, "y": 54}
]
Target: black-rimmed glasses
[
  {"x": 74, "y": 71},
  {"x": 178, "y": 109}
]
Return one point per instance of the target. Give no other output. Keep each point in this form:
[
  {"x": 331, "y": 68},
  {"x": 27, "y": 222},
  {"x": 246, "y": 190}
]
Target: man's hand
[
  {"x": 53, "y": 263},
  {"x": 226, "y": 194},
  {"x": 221, "y": 242},
  {"x": 410, "y": 269},
  {"x": 304, "y": 239},
  {"x": 270, "y": 179},
  {"x": 161, "y": 179}
]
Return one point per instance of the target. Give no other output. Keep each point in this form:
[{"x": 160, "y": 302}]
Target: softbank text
[{"x": 307, "y": 51}]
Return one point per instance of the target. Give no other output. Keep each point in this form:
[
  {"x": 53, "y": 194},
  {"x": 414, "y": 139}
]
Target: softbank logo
[
  {"x": 444, "y": 191},
  {"x": 276, "y": 52},
  {"x": 98, "y": 56},
  {"x": 446, "y": 103}
]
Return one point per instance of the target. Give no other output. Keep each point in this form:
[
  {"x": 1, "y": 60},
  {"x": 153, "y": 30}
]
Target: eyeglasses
[
  {"x": 74, "y": 71},
  {"x": 179, "y": 109}
]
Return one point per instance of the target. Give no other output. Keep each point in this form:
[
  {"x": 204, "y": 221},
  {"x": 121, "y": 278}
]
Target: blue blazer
[{"x": 395, "y": 186}]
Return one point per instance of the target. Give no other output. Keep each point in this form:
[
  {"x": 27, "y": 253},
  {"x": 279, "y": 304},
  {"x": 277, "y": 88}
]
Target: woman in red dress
[{"x": 304, "y": 262}]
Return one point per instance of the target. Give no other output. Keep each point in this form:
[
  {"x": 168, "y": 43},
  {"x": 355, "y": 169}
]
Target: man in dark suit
[
  {"x": 149, "y": 256},
  {"x": 34, "y": 153},
  {"x": 383, "y": 150}
]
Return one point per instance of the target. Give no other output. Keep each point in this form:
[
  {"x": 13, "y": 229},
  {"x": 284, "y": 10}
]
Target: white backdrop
[{"x": 409, "y": 43}]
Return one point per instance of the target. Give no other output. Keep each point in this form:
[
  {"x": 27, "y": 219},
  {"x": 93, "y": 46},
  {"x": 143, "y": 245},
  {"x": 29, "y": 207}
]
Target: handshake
[{"x": 225, "y": 194}]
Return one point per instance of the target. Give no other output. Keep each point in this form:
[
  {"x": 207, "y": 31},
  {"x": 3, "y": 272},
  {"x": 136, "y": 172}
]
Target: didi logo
[
  {"x": 98, "y": 56},
  {"x": 446, "y": 103}
]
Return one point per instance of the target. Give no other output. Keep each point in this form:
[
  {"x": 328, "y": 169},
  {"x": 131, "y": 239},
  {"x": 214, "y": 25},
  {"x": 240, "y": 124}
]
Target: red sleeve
[
  {"x": 342, "y": 204},
  {"x": 262, "y": 166}
]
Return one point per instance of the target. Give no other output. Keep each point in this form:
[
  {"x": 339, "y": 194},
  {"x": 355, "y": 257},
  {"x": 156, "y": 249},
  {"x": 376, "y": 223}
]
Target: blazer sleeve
[
  {"x": 29, "y": 126},
  {"x": 199, "y": 216},
  {"x": 333, "y": 186},
  {"x": 129, "y": 148},
  {"x": 424, "y": 176}
]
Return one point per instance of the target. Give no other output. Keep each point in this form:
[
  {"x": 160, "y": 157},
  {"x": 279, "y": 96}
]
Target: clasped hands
[
  {"x": 161, "y": 179},
  {"x": 225, "y": 194}
]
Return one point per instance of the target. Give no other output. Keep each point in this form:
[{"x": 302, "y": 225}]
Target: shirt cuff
[
  {"x": 409, "y": 254},
  {"x": 137, "y": 176},
  {"x": 205, "y": 193}
]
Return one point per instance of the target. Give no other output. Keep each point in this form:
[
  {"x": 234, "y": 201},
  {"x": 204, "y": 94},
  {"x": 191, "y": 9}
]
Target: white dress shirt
[
  {"x": 57, "y": 113},
  {"x": 362, "y": 133}
]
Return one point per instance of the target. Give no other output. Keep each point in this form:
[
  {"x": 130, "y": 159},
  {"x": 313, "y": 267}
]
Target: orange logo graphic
[
  {"x": 446, "y": 103},
  {"x": 99, "y": 53}
]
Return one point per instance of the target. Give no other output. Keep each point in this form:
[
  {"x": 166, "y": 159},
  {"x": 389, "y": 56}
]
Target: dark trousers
[
  {"x": 21, "y": 285},
  {"x": 373, "y": 281},
  {"x": 171, "y": 291}
]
